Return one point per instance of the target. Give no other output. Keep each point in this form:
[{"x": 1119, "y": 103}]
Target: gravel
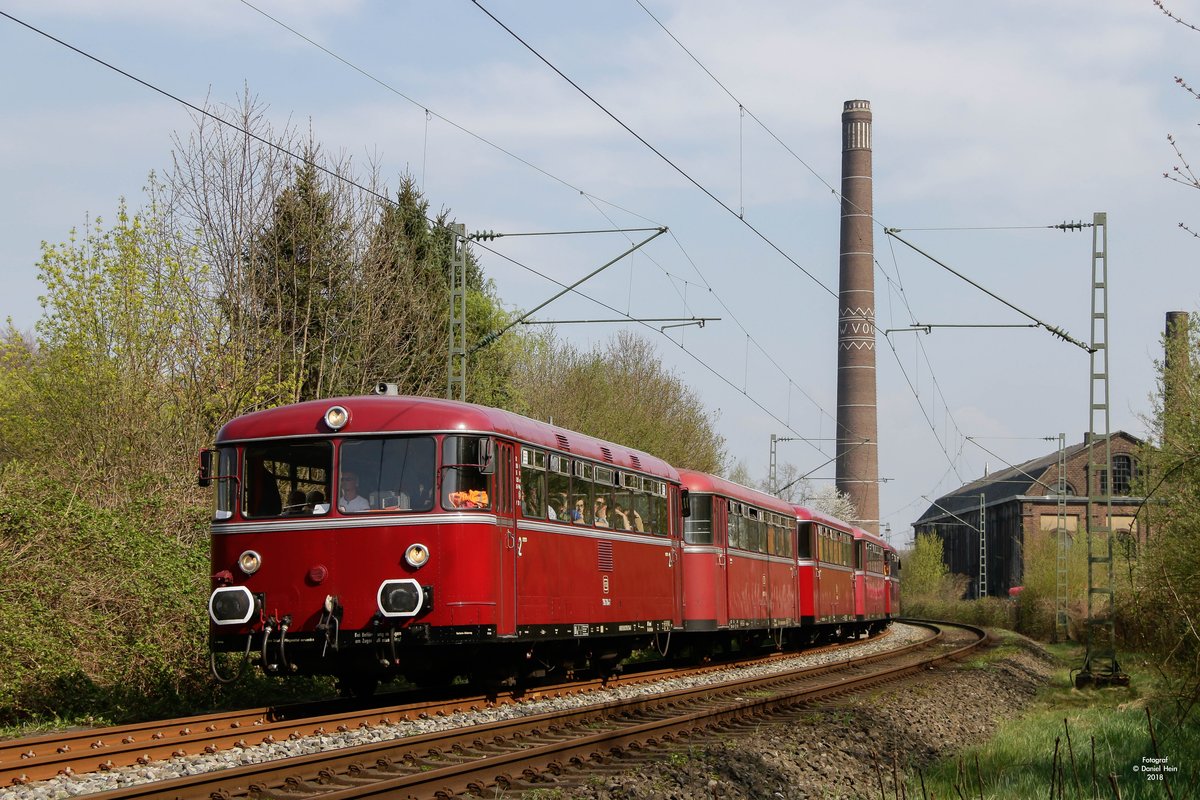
[
  {"x": 850, "y": 750},
  {"x": 824, "y": 753}
]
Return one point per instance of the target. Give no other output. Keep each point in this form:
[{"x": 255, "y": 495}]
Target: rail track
[
  {"x": 28, "y": 760},
  {"x": 519, "y": 752}
]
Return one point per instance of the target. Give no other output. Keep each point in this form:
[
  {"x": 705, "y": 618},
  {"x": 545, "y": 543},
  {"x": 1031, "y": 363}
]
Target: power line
[
  {"x": 655, "y": 150},
  {"x": 591, "y": 198}
]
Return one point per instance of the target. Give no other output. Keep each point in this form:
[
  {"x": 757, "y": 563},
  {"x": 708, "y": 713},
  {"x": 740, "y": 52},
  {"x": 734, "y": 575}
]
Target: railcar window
[
  {"x": 697, "y": 528},
  {"x": 226, "y": 482},
  {"x": 804, "y": 540},
  {"x": 581, "y": 494},
  {"x": 286, "y": 479},
  {"x": 463, "y": 485},
  {"x": 643, "y": 517},
  {"x": 394, "y": 474},
  {"x": 624, "y": 518},
  {"x": 733, "y": 535},
  {"x": 558, "y": 487},
  {"x": 661, "y": 513},
  {"x": 603, "y": 503},
  {"x": 533, "y": 484}
]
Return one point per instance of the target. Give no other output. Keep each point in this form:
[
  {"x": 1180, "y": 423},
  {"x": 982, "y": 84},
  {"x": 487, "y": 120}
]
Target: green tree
[
  {"x": 925, "y": 574},
  {"x": 620, "y": 392},
  {"x": 298, "y": 272},
  {"x": 1162, "y": 613},
  {"x": 103, "y": 398}
]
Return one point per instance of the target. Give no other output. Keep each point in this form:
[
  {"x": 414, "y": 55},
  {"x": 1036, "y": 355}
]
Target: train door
[
  {"x": 675, "y": 531},
  {"x": 506, "y": 470}
]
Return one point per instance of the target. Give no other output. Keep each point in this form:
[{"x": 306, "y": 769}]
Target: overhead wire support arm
[
  {"x": 681, "y": 320},
  {"x": 494, "y": 335},
  {"x": 928, "y": 328},
  {"x": 487, "y": 236},
  {"x": 1053, "y": 329}
]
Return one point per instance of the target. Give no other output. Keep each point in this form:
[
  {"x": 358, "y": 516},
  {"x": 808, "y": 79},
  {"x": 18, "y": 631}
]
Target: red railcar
[
  {"x": 892, "y": 572},
  {"x": 739, "y": 559},
  {"x": 871, "y": 592},
  {"x": 826, "y": 567},
  {"x": 378, "y": 535}
]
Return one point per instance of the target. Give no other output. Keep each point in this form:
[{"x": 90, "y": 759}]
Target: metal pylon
[
  {"x": 1100, "y": 666},
  {"x": 982, "y": 547},
  {"x": 1061, "y": 586},
  {"x": 456, "y": 359}
]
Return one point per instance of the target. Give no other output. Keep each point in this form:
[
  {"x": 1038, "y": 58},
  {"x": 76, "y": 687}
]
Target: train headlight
[
  {"x": 249, "y": 562},
  {"x": 400, "y": 598},
  {"x": 336, "y": 418},
  {"x": 231, "y": 605},
  {"x": 417, "y": 555}
]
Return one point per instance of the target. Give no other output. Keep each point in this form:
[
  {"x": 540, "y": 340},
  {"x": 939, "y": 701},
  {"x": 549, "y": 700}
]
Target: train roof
[
  {"x": 806, "y": 513},
  {"x": 860, "y": 533},
  {"x": 379, "y": 414},
  {"x": 704, "y": 482}
]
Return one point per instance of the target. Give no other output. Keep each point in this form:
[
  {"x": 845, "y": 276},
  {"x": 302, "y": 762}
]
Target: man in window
[{"x": 349, "y": 499}]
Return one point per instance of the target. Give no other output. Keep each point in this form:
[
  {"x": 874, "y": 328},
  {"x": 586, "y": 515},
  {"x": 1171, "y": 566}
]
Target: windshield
[
  {"x": 287, "y": 479},
  {"x": 386, "y": 474}
]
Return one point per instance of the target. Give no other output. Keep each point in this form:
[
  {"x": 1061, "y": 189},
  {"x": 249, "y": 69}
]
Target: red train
[{"x": 369, "y": 537}]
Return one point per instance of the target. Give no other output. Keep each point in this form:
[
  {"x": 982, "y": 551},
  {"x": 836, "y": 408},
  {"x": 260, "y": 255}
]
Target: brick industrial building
[{"x": 1020, "y": 504}]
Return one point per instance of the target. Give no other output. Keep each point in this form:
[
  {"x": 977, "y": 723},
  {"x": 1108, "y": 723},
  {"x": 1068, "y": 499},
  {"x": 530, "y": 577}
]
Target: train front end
[{"x": 335, "y": 526}]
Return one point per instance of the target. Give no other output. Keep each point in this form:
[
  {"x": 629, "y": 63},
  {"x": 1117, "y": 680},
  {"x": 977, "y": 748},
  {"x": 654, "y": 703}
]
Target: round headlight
[
  {"x": 337, "y": 417},
  {"x": 249, "y": 562},
  {"x": 416, "y": 555}
]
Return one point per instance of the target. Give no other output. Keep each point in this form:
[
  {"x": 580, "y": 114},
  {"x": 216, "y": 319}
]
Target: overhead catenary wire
[
  {"x": 588, "y": 196},
  {"x": 342, "y": 178},
  {"x": 662, "y": 156},
  {"x": 1052, "y": 329}
]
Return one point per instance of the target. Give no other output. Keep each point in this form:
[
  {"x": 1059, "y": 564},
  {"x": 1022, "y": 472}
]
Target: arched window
[
  {"x": 1122, "y": 470},
  {"x": 1122, "y": 466}
]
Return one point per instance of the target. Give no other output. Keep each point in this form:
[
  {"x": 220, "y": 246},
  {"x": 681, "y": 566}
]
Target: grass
[{"x": 1031, "y": 756}]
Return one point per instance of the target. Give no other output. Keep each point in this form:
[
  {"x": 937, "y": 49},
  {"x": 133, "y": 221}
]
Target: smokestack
[{"x": 857, "y": 451}]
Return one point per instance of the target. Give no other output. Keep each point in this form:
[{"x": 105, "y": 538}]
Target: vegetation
[
  {"x": 1160, "y": 610},
  {"x": 1071, "y": 742},
  {"x": 622, "y": 393},
  {"x": 931, "y": 591}
]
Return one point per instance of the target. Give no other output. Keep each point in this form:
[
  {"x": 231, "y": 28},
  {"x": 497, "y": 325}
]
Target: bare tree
[{"x": 1182, "y": 172}]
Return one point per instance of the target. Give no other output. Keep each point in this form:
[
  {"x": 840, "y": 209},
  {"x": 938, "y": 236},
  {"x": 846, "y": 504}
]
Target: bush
[{"x": 101, "y": 613}]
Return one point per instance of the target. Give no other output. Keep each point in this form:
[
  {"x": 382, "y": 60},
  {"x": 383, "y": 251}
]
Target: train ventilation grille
[
  {"x": 563, "y": 444},
  {"x": 604, "y": 556},
  {"x": 637, "y": 462},
  {"x": 606, "y": 453}
]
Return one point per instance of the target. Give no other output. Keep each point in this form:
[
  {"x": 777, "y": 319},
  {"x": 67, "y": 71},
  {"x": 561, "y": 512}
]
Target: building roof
[{"x": 1028, "y": 478}]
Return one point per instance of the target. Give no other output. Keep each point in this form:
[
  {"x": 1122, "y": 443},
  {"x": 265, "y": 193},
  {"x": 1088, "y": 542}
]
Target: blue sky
[{"x": 1003, "y": 116}]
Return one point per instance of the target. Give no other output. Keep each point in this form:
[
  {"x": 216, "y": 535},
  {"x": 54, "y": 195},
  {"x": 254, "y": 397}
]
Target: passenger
[
  {"x": 577, "y": 513},
  {"x": 600, "y": 512},
  {"x": 315, "y": 502},
  {"x": 350, "y": 499},
  {"x": 531, "y": 503},
  {"x": 558, "y": 509},
  {"x": 637, "y": 521},
  {"x": 622, "y": 518},
  {"x": 295, "y": 503}
]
